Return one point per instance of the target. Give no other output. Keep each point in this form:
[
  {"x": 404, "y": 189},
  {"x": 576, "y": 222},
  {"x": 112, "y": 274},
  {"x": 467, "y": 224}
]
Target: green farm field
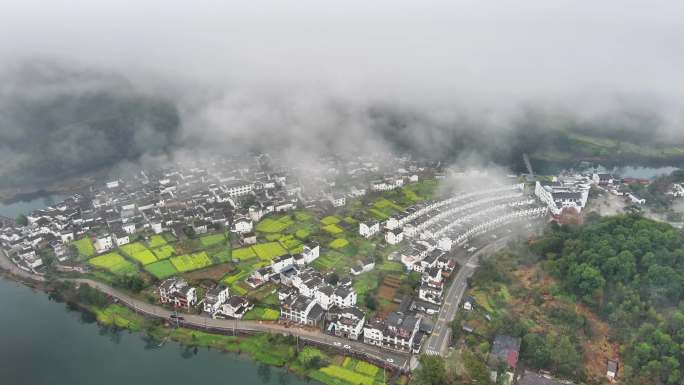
[
  {"x": 162, "y": 269},
  {"x": 211, "y": 240},
  {"x": 139, "y": 252},
  {"x": 85, "y": 247},
  {"x": 189, "y": 262},
  {"x": 268, "y": 251},
  {"x": 114, "y": 263},
  {"x": 164, "y": 252},
  {"x": 156, "y": 241},
  {"x": 274, "y": 225}
]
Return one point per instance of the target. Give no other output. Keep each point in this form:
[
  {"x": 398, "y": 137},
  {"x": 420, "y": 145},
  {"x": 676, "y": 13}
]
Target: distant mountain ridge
[{"x": 57, "y": 123}]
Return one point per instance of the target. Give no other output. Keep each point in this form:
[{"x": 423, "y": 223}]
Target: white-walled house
[
  {"x": 235, "y": 307},
  {"x": 121, "y": 238},
  {"x": 347, "y": 322},
  {"x": 215, "y": 298},
  {"x": 281, "y": 263},
  {"x": 243, "y": 225},
  {"x": 66, "y": 236},
  {"x": 344, "y": 297},
  {"x": 324, "y": 296},
  {"x": 129, "y": 228},
  {"x": 369, "y": 230},
  {"x": 177, "y": 292},
  {"x": 310, "y": 253},
  {"x": 394, "y": 236},
  {"x": 103, "y": 243}
]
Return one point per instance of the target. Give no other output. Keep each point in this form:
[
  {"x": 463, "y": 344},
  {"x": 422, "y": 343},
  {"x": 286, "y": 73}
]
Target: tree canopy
[{"x": 631, "y": 271}]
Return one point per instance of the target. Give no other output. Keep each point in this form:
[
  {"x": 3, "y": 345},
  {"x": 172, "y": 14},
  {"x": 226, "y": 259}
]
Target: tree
[
  {"x": 565, "y": 357},
  {"x": 371, "y": 302},
  {"x": 22, "y": 220},
  {"x": 333, "y": 278},
  {"x": 431, "y": 371},
  {"x": 535, "y": 350},
  {"x": 586, "y": 278},
  {"x": 131, "y": 282}
]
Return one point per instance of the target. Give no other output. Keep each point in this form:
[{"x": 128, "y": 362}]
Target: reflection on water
[{"x": 45, "y": 341}]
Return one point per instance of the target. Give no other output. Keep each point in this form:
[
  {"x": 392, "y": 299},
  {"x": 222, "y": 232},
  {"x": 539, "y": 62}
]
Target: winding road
[
  {"x": 382, "y": 357},
  {"x": 438, "y": 342}
]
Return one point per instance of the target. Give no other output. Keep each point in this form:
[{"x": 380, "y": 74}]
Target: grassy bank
[{"x": 269, "y": 349}]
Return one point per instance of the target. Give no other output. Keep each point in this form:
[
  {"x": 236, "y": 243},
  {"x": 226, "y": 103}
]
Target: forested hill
[
  {"x": 631, "y": 271},
  {"x": 57, "y": 123}
]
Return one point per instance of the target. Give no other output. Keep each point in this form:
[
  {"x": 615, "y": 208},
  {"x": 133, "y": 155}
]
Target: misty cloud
[{"x": 438, "y": 78}]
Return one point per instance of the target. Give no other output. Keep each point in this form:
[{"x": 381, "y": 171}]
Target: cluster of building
[
  {"x": 232, "y": 193},
  {"x": 567, "y": 194},
  {"x": 217, "y": 301}
]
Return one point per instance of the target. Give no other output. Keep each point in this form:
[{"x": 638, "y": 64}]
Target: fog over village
[{"x": 378, "y": 193}]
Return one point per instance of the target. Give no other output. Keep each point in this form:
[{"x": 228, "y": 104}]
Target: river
[
  {"x": 14, "y": 209},
  {"x": 44, "y": 343}
]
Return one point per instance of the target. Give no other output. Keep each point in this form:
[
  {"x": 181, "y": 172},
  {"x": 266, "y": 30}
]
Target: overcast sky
[
  {"x": 264, "y": 64},
  {"x": 415, "y": 50}
]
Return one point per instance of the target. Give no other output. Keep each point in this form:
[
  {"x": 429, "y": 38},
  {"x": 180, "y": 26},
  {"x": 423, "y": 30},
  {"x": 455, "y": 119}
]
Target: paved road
[
  {"x": 373, "y": 353},
  {"x": 438, "y": 342},
  {"x": 7, "y": 265},
  {"x": 400, "y": 360}
]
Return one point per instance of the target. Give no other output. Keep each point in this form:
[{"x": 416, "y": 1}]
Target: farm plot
[
  {"x": 233, "y": 278},
  {"x": 364, "y": 284},
  {"x": 164, "y": 252},
  {"x": 85, "y": 247},
  {"x": 290, "y": 243},
  {"x": 262, "y": 313},
  {"x": 330, "y": 220},
  {"x": 162, "y": 269},
  {"x": 340, "y": 375},
  {"x": 274, "y": 225},
  {"x": 330, "y": 260},
  {"x": 156, "y": 241},
  {"x": 211, "y": 240},
  {"x": 302, "y": 216},
  {"x": 191, "y": 262},
  {"x": 338, "y": 243},
  {"x": 139, "y": 252},
  {"x": 244, "y": 253},
  {"x": 388, "y": 289},
  {"x": 115, "y": 263},
  {"x": 268, "y": 251},
  {"x": 169, "y": 237},
  {"x": 221, "y": 256},
  {"x": 333, "y": 229}
]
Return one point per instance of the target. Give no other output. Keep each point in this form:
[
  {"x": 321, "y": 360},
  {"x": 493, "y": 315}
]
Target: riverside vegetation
[{"x": 269, "y": 349}]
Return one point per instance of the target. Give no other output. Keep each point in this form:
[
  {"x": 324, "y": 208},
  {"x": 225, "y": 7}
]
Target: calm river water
[{"x": 43, "y": 343}]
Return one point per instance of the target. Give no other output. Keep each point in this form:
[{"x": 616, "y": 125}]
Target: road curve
[
  {"x": 438, "y": 342},
  {"x": 399, "y": 361}
]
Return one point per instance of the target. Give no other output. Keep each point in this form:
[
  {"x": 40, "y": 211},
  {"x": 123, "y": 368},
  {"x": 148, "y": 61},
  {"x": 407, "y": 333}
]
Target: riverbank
[
  {"x": 47, "y": 341},
  {"x": 267, "y": 344}
]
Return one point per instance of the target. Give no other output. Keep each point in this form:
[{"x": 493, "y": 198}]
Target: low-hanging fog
[{"x": 88, "y": 84}]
